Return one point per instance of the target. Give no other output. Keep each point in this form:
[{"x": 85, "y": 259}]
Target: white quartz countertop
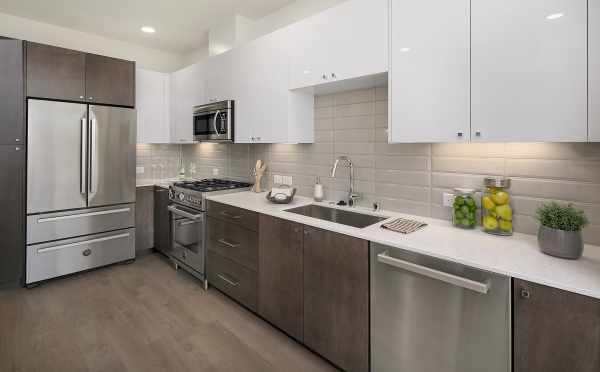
[{"x": 516, "y": 256}]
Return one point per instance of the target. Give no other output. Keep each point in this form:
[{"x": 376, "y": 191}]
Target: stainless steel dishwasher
[{"x": 430, "y": 315}]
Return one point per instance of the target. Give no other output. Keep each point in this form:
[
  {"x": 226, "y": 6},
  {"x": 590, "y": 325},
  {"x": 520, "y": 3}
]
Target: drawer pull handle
[
  {"x": 87, "y": 252},
  {"x": 227, "y": 280},
  {"x": 230, "y": 216},
  {"x": 229, "y": 244},
  {"x": 84, "y": 242},
  {"x": 83, "y": 215}
]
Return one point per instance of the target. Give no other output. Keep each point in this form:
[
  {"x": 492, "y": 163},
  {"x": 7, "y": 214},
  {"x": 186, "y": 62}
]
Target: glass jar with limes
[
  {"x": 464, "y": 209},
  {"x": 497, "y": 212}
]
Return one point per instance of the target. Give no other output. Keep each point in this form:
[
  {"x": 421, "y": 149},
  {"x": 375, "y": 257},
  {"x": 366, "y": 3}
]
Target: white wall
[{"x": 26, "y": 29}]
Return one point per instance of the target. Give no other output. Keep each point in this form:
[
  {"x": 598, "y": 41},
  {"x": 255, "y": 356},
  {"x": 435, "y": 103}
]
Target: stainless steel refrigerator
[{"x": 80, "y": 187}]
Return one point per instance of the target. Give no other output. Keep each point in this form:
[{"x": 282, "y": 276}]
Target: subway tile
[
  {"x": 453, "y": 180},
  {"x": 356, "y": 109},
  {"x": 324, "y": 100},
  {"x": 381, "y": 107},
  {"x": 487, "y": 166},
  {"x": 395, "y": 191},
  {"x": 421, "y": 149},
  {"x": 354, "y": 135},
  {"x": 553, "y": 151},
  {"x": 408, "y": 178},
  {"x": 480, "y": 150},
  {"x": 401, "y": 162},
  {"x": 323, "y": 112},
  {"x": 355, "y": 122},
  {"x": 583, "y": 171},
  {"x": 355, "y": 96},
  {"x": 381, "y": 93},
  {"x": 551, "y": 189},
  {"x": 381, "y": 120},
  {"x": 354, "y": 148},
  {"x": 324, "y": 136}
]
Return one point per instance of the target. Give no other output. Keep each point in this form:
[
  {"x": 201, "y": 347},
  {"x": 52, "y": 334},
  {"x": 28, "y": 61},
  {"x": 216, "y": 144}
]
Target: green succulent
[{"x": 561, "y": 217}]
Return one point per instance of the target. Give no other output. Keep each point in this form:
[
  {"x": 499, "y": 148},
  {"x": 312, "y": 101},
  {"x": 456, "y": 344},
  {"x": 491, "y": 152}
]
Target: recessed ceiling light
[
  {"x": 148, "y": 29},
  {"x": 554, "y": 16},
  {"x": 404, "y": 50}
]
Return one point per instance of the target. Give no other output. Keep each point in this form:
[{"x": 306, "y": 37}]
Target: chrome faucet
[{"x": 352, "y": 196}]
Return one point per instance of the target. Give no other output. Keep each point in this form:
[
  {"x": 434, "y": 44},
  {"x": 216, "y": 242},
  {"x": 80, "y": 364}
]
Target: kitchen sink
[{"x": 341, "y": 216}]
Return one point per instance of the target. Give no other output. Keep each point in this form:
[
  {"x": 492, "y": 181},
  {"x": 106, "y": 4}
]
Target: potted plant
[{"x": 560, "y": 230}]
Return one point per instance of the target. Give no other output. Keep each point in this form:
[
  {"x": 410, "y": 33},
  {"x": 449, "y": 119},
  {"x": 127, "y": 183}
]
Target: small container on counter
[
  {"x": 464, "y": 211},
  {"x": 318, "y": 194},
  {"x": 497, "y": 212}
]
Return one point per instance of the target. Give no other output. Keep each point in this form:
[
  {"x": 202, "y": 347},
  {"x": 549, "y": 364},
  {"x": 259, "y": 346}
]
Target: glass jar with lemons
[
  {"x": 464, "y": 213},
  {"x": 497, "y": 212}
]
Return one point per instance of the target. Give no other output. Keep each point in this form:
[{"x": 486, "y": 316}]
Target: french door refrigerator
[{"x": 80, "y": 187}]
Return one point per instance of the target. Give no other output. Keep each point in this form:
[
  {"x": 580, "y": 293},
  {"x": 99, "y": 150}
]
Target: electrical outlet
[
  {"x": 448, "y": 199},
  {"x": 277, "y": 179},
  {"x": 140, "y": 170},
  {"x": 215, "y": 171},
  {"x": 288, "y": 180}
]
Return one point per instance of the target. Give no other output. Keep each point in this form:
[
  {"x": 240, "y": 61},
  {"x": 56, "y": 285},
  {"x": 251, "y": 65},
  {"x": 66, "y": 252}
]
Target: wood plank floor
[{"x": 139, "y": 317}]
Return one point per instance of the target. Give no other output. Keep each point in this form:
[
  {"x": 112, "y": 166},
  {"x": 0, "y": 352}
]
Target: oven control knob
[
  {"x": 171, "y": 194},
  {"x": 181, "y": 196}
]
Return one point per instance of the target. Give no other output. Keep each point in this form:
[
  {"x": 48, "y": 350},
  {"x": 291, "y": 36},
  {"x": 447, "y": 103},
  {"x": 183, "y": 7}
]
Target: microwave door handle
[{"x": 215, "y": 122}]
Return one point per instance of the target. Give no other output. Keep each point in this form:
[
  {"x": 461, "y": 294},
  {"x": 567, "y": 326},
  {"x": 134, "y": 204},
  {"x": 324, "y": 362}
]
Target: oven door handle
[{"x": 195, "y": 217}]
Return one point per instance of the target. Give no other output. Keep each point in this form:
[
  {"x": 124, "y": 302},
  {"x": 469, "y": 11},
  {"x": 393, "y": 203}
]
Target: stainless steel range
[{"x": 188, "y": 221}]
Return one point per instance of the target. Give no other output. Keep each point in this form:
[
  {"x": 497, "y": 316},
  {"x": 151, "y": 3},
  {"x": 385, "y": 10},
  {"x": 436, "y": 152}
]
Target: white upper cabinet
[
  {"x": 529, "y": 70},
  {"x": 429, "y": 71},
  {"x": 187, "y": 91},
  {"x": 152, "y": 104},
  {"x": 220, "y": 81},
  {"x": 345, "y": 42},
  {"x": 594, "y": 70},
  {"x": 266, "y": 111}
]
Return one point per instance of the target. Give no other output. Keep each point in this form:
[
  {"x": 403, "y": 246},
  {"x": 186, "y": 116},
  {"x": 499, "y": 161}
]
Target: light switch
[
  {"x": 288, "y": 180},
  {"x": 448, "y": 199},
  {"x": 277, "y": 179}
]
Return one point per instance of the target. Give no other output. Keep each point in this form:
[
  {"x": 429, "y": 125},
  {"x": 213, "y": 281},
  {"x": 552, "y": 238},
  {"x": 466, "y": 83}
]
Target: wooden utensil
[{"x": 259, "y": 172}]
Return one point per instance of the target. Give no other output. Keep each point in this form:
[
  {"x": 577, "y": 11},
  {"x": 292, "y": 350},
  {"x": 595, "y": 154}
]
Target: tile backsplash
[{"x": 411, "y": 178}]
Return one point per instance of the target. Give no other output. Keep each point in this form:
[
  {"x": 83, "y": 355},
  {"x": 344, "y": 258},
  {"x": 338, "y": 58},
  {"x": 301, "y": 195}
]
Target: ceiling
[{"x": 181, "y": 25}]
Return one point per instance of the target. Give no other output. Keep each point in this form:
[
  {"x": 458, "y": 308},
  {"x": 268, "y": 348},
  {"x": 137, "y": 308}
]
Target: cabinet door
[
  {"x": 11, "y": 90},
  {"x": 429, "y": 86},
  {"x": 12, "y": 164},
  {"x": 162, "y": 223},
  {"x": 344, "y": 42},
  {"x": 187, "y": 91},
  {"x": 55, "y": 73},
  {"x": 262, "y": 95},
  {"x": 554, "y": 330},
  {"x": 144, "y": 218},
  {"x": 280, "y": 278},
  {"x": 152, "y": 104},
  {"x": 594, "y": 70},
  {"x": 336, "y": 298},
  {"x": 529, "y": 63},
  {"x": 220, "y": 77},
  {"x": 109, "y": 81}
]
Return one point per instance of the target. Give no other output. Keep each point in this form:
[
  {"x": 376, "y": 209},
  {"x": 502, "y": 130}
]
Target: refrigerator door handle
[
  {"x": 93, "y": 186},
  {"x": 83, "y": 154}
]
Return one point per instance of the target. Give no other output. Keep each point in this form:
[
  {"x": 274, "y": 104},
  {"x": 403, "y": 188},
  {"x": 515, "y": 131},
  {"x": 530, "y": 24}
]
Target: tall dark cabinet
[{"x": 12, "y": 161}]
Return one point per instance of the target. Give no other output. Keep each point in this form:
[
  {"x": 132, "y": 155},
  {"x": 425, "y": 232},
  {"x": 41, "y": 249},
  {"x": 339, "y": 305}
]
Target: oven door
[
  {"x": 188, "y": 231},
  {"x": 213, "y": 125}
]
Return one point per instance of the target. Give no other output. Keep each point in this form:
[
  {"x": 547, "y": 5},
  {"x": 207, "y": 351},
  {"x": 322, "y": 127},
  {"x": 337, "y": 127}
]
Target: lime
[
  {"x": 459, "y": 201},
  {"x": 470, "y": 203},
  {"x": 459, "y": 215},
  {"x": 465, "y": 209}
]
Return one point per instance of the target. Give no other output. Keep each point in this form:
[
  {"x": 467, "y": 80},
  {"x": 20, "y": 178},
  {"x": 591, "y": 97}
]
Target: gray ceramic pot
[{"x": 560, "y": 243}]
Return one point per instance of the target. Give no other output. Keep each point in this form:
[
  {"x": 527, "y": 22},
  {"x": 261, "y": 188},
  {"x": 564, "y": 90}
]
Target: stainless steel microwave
[{"x": 214, "y": 122}]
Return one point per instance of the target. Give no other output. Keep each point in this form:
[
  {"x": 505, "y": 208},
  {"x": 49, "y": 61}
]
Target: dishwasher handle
[{"x": 456, "y": 280}]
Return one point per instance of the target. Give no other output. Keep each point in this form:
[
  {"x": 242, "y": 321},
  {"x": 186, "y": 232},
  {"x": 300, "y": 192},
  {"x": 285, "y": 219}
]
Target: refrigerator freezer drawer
[
  {"x": 62, "y": 225},
  {"x": 51, "y": 260}
]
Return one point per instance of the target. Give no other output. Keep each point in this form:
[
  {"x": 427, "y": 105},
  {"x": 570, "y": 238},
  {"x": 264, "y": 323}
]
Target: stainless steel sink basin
[{"x": 341, "y": 216}]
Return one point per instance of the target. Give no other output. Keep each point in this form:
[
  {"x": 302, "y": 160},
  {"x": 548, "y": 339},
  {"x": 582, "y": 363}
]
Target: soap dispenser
[{"x": 318, "y": 196}]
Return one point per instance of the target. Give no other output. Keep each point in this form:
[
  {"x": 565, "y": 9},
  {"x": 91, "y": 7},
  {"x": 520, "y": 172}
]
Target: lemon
[
  {"x": 490, "y": 223},
  {"x": 505, "y": 212},
  {"x": 501, "y": 198},
  {"x": 488, "y": 203},
  {"x": 506, "y": 226}
]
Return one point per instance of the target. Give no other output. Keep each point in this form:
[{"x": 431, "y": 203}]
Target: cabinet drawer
[
  {"x": 234, "y": 242},
  {"x": 51, "y": 260},
  {"x": 233, "y": 279},
  {"x": 239, "y": 216}
]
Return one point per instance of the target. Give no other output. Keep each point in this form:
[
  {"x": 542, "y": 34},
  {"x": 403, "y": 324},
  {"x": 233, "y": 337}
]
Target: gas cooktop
[{"x": 210, "y": 185}]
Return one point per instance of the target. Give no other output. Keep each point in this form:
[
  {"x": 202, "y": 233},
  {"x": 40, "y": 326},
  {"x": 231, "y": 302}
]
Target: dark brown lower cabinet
[
  {"x": 336, "y": 298},
  {"x": 554, "y": 330},
  {"x": 144, "y": 219},
  {"x": 280, "y": 278},
  {"x": 12, "y": 243},
  {"x": 162, "y": 223}
]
